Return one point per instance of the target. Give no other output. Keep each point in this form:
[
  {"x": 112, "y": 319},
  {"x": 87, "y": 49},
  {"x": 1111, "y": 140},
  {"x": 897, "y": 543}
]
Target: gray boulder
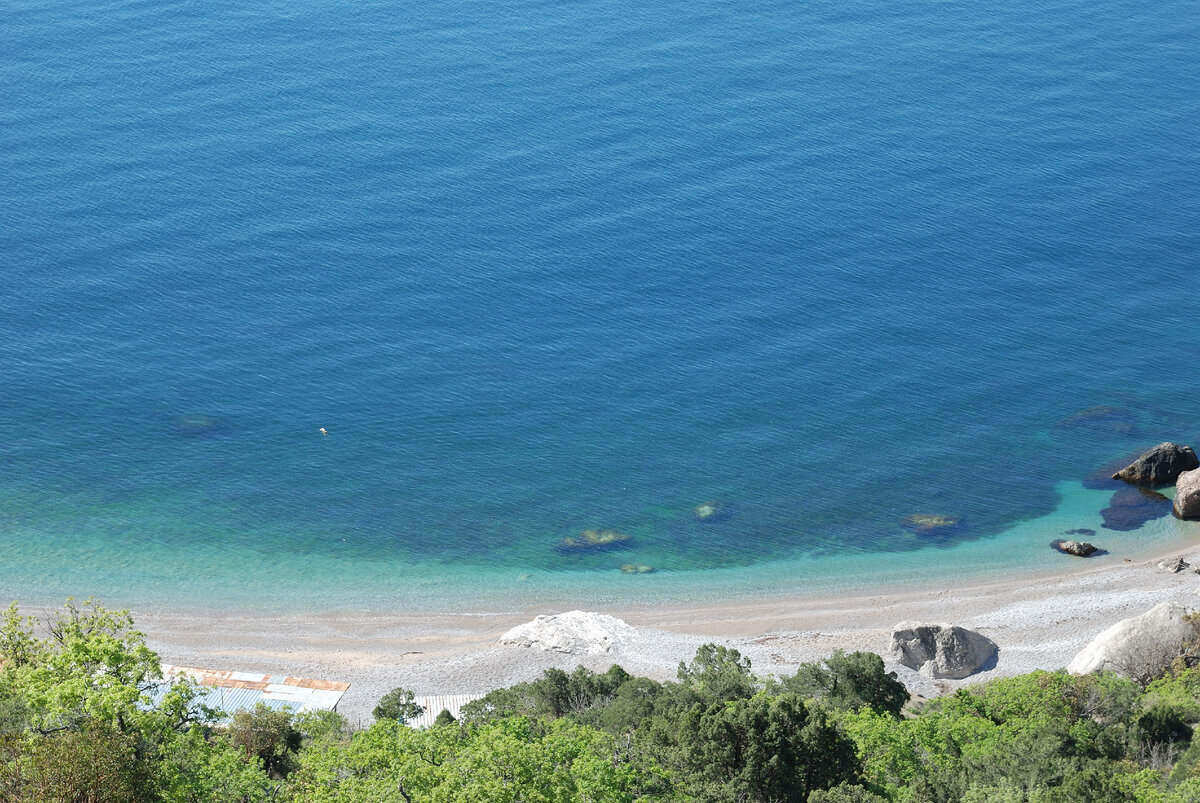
[
  {"x": 1187, "y": 495},
  {"x": 940, "y": 650},
  {"x": 1140, "y": 647},
  {"x": 1159, "y": 466},
  {"x": 1079, "y": 548}
]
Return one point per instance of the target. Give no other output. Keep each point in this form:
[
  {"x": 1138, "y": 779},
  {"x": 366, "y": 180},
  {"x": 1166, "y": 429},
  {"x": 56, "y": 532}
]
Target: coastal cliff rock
[
  {"x": 940, "y": 650},
  {"x": 1187, "y": 495},
  {"x": 1139, "y": 647},
  {"x": 1078, "y": 548},
  {"x": 1159, "y": 466},
  {"x": 572, "y": 633}
]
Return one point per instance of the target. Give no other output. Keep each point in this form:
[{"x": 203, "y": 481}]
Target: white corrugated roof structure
[
  {"x": 232, "y": 691},
  {"x": 434, "y": 705}
]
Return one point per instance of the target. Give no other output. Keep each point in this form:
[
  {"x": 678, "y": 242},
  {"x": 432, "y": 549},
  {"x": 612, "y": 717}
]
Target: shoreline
[{"x": 1039, "y": 620}]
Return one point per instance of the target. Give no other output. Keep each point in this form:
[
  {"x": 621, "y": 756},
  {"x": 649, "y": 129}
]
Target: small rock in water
[
  {"x": 596, "y": 540},
  {"x": 924, "y": 522},
  {"x": 709, "y": 511},
  {"x": 636, "y": 568},
  {"x": 1174, "y": 566},
  {"x": 1080, "y": 531},
  {"x": 1079, "y": 548}
]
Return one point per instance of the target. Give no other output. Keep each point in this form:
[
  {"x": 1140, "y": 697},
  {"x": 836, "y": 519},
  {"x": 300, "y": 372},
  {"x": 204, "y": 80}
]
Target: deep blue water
[{"x": 539, "y": 267}]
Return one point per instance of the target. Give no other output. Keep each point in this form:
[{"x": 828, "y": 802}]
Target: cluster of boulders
[
  {"x": 1138, "y": 501},
  {"x": 1140, "y": 647},
  {"x": 1164, "y": 465}
]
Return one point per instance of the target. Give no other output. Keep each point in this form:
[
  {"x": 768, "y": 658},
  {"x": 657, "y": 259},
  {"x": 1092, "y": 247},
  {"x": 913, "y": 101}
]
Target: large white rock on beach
[
  {"x": 1140, "y": 646},
  {"x": 573, "y": 633},
  {"x": 1187, "y": 495},
  {"x": 940, "y": 650}
]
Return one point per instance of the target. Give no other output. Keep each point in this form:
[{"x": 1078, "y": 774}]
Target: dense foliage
[{"x": 76, "y": 724}]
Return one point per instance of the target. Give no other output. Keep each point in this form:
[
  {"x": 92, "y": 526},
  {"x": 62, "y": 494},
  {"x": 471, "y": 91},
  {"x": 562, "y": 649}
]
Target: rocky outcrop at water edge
[
  {"x": 1187, "y": 495},
  {"x": 1159, "y": 466}
]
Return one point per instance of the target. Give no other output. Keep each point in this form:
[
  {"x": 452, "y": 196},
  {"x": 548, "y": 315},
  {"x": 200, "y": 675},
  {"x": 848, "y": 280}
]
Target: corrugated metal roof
[
  {"x": 436, "y": 704},
  {"x": 233, "y": 691}
]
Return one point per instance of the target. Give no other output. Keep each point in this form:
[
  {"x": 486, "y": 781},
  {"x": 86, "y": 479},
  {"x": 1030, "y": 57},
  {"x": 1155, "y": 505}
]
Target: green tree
[
  {"x": 76, "y": 720},
  {"x": 775, "y": 748},
  {"x": 266, "y": 734},
  {"x": 398, "y": 704},
  {"x": 506, "y": 761},
  {"x": 93, "y": 665},
  {"x": 850, "y": 682},
  {"x": 320, "y": 724},
  {"x": 582, "y": 694},
  {"x": 198, "y": 767},
  {"x": 718, "y": 674},
  {"x": 94, "y": 763},
  {"x": 845, "y": 793}
]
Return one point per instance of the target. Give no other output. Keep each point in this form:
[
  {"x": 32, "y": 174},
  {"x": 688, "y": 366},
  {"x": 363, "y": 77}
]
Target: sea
[{"x": 380, "y": 306}]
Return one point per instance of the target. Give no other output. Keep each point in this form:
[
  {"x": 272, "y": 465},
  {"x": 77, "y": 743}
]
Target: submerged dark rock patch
[
  {"x": 1131, "y": 507},
  {"x": 1104, "y": 417},
  {"x": 927, "y": 522},
  {"x": 594, "y": 541}
]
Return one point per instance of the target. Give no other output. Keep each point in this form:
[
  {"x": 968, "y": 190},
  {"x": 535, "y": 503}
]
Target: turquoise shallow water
[
  {"x": 341, "y": 579},
  {"x": 547, "y": 268}
]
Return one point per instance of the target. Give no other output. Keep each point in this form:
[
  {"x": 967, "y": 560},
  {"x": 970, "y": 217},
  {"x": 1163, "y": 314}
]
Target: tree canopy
[{"x": 77, "y": 725}]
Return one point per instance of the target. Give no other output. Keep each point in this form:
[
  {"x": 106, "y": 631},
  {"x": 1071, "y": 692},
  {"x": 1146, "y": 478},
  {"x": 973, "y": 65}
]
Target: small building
[
  {"x": 435, "y": 704},
  {"x": 233, "y": 691}
]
